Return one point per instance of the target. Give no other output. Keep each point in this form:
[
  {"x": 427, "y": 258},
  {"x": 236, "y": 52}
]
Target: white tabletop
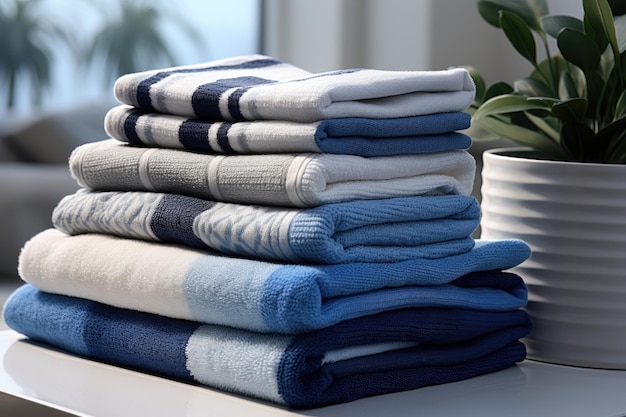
[{"x": 85, "y": 387}]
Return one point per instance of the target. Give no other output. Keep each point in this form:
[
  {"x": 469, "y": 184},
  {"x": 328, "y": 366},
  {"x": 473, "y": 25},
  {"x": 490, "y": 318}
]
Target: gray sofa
[{"x": 34, "y": 174}]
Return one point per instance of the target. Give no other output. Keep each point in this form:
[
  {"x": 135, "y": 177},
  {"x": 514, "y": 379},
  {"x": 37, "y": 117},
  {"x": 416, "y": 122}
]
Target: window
[{"x": 66, "y": 31}]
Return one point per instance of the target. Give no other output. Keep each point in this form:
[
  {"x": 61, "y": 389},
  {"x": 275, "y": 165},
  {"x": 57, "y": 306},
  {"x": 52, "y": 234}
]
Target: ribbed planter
[{"x": 573, "y": 216}]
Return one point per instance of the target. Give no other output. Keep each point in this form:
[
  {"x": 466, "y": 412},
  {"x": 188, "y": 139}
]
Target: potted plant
[{"x": 564, "y": 193}]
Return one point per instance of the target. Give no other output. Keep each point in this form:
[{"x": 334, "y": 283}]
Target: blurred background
[
  {"x": 56, "y": 53},
  {"x": 59, "y": 59}
]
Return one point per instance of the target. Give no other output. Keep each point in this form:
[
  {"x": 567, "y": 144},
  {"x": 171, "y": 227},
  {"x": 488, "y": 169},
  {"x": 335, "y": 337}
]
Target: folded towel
[
  {"x": 181, "y": 282},
  {"x": 389, "y": 230},
  {"x": 259, "y": 87},
  {"x": 294, "y": 180},
  {"x": 365, "y": 137},
  {"x": 388, "y": 352}
]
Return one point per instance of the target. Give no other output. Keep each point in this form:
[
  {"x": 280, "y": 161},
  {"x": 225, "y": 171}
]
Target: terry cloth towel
[
  {"x": 364, "y": 137},
  {"x": 293, "y": 180},
  {"x": 256, "y": 87},
  {"x": 388, "y": 352},
  {"x": 180, "y": 282},
  {"x": 389, "y": 230}
]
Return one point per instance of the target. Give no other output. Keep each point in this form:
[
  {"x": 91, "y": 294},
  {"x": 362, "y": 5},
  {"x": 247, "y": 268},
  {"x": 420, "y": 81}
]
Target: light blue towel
[
  {"x": 181, "y": 282},
  {"x": 259, "y": 87},
  {"x": 383, "y": 353},
  {"x": 365, "y": 137},
  {"x": 388, "y": 230}
]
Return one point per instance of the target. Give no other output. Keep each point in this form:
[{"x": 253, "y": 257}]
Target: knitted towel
[
  {"x": 260, "y": 87},
  {"x": 384, "y": 353},
  {"x": 365, "y": 137},
  {"x": 295, "y": 180},
  {"x": 389, "y": 230},
  {"x": 180, "y": 282}
]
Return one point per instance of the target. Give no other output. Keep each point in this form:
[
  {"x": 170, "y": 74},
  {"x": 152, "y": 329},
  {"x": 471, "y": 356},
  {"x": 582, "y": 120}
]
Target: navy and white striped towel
[
  {"x": 384, "y": 353},
  {"x": 353, "y": 136},
  {"x": 259, "y": 87},
  {"x": 388, "y": 230},
  {"x": 290, "y": 180},
  {"x": 180, "y": 282}
]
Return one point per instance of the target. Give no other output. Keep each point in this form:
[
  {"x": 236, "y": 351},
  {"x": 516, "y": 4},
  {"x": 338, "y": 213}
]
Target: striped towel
[
  {"x": 353, "y": 136},
  {"x": 292, "y": 180},
  {"x": 388, "y": 352},
  {"x": 259, "y": 87},
  {"x": 180, "y": 282},
  {"x": 389, "y": 230}
]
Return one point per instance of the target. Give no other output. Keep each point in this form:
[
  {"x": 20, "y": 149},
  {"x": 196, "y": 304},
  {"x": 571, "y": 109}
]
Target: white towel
[{"x": 260, "y": 87}]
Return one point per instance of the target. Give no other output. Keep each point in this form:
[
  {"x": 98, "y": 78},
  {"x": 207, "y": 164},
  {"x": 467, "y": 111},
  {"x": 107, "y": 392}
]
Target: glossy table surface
[{"x": 83, "y": 387}]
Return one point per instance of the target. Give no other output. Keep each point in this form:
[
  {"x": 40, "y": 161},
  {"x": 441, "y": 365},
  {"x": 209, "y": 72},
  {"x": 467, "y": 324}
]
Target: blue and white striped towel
[
  {"x": 259, "y": 87},
  {"x": 389, "y": 230},
  {"x": 181, "y": 282},
  {"x": 383, "y": 353},
  {"x": 290, "y": 180},
  {"x": 365, "y": 137}
]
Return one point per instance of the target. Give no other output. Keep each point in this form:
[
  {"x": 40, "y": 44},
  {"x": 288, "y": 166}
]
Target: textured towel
[
  {"x": 258, "y": 87},
  {"x": 365, "y": 137},
  {"x": 389, "y": 230},
  {"x": 388, "y": 352},
  {"x": 294, "y": 180},
  {"x": 180, "y": 282}
]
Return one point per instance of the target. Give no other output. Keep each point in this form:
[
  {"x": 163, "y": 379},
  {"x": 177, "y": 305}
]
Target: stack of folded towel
[{"x": 299, "y": 238}]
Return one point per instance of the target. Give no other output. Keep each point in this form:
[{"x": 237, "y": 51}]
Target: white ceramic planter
[{"x": 573, "y": 216}]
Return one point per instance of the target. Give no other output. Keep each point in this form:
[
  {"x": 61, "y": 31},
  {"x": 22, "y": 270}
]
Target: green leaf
[
  {"x": 600, "y": 17},
  {"x": 572, "y": 109},
  {"x": 543, "y": 71},
  {"x": 620, "y": 32},
  {"x": 520, "y": 135},
  {"x": 547, "y": 102},
  {"x": 597, "y": 37},
  {"x": 532, "y": 88},
  {"x": 498, "y": 89},
  {"x": 607, "y": 63},
  {"x": 620, "y": 106},
  {"x": 579, "y": 49},
  {"x": 580, "y": 141},
  {"x": 613, "y": 130},
  {"x": 479, "y": 81},
  {"x": 548, "y": 125},
  {"x": 490, "y": 12},
  {"x": 618, "y": 156},
  {"x": 567, "y": 87},
  {"x": 616, "y": 136},
  {"x": 529, "y": 10},
  {"x": 480, "y": 134},
  {"x": 519, "y": 35},
  {"x": 508, "y": 103},
  {"x": 553, "y": 24}
]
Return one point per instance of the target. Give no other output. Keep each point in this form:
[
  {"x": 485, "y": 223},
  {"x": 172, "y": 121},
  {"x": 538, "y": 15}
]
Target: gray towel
[{"x": 294, "y": 180}]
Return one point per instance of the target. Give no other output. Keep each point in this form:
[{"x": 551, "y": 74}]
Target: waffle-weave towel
[
  {"x": 291, "y": 180},
  {"x": 388, "y": 230}
]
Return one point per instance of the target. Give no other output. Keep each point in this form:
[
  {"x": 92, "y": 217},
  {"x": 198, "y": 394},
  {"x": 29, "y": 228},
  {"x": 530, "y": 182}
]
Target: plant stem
[{"x": 553, "y": 75}]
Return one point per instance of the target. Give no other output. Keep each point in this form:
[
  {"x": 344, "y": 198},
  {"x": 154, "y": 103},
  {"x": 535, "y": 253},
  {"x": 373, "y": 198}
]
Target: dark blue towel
[
  {"x": 356, "y": 136},
  {"x": 387, "y": 352}
]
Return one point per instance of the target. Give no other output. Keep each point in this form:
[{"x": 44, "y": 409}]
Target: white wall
[{"x": 324, "y": 35}]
